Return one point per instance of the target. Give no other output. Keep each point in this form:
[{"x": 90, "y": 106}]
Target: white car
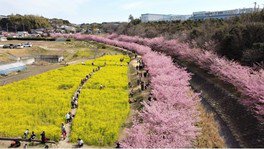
[
  {"x": 27, "y": 44},
  {"x": 19, "y": 46},
  {"x": 1, "y": 46}
]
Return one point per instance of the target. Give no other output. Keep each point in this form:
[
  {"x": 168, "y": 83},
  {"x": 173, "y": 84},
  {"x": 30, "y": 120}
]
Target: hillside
[{"x": 239, "y": 39}]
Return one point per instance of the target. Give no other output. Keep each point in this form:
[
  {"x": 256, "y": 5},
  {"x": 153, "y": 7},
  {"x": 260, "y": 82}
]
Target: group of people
[
  {"x": 145, "y": 74},
  {"x": 141, "y": 64},
  {"x": 141, "y": 73},
  {"x": 16, "y": 142},
  {"x": 97, "y": 69},
  {"x": 85, "y": 79},
  {"x": 74, "y": 104},
  {"x": 64, "y": 134},
  {"x": 74, "y": 101},
  {"x": 32, "y": 136}
]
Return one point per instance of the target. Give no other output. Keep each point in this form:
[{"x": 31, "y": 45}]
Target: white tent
[{"x": 8, "y": 68}]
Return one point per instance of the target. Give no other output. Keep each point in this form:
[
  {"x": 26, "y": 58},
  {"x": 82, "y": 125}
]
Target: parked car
[
  {"x": 6, "y": 46},
  {"x": 27, "y": 44},
  {"x": 10, "y": 46},
  {"x": 19, "y": 46},
  {"x": 1, "y": 46}
]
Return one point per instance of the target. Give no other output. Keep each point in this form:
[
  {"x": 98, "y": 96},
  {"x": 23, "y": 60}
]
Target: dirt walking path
[{"x": 65, "y": 143}]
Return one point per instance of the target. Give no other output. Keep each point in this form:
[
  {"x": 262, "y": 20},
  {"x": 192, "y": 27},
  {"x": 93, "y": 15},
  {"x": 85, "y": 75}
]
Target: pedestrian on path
[
  {"x": 26, "y": 134},
  {"x": 43, "y": 137},
  {"x": 33, "y": 136},
  {"x": 72, "y": 104},
  {"x": 63, "y": 131},
  {"x": 80, "y": 143},
  {"x": 68, "y": 117},
  {"x": 75, "y": 104},
  {"x": 118, "y": 145}
]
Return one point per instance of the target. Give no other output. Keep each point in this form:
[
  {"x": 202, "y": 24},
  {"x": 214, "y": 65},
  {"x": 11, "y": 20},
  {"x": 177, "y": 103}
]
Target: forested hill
[
  {"x": 24, "y": 22},
  {"x": 27, "y": 22},
  {"x": 240, "y": 38}
]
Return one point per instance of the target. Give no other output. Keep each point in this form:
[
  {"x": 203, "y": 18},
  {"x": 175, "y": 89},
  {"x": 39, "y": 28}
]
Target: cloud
[
  {"x": 49, "y": 8},
  {"x": 132, "y": 5}
]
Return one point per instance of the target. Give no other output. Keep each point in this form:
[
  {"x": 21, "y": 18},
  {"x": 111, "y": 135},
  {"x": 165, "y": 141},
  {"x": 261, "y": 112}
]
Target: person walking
[
  {"x": 33, "y": 136},
  {"x": 68, "y": 117},
  {"x": 72, "y": 104},
  {"x": 26, "y": 134},
  {"x": 80, "y": 143},
  {"x": 43, "y": 137},
  {"x": 142, "y": 85},
  {"x": 76, "y": 104},
  {"x": 118, "y": 145},
  {"x": 63, "y": 131}
]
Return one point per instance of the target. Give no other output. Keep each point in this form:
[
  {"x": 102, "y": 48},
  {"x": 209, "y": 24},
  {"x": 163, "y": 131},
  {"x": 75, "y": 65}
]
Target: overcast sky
[{"x": 89, "y": 11}]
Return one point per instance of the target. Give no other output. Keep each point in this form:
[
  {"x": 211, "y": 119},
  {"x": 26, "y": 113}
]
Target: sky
[{"x": 90, "y": 11}]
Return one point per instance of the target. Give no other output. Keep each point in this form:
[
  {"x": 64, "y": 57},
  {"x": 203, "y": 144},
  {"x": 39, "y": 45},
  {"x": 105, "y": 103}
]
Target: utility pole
[
  {"x": 255, "y": 6},
  {"x": 95, "y": 52},
  {"x": 6, "y": 27},
  {"x": 15, "y": 28},
  {"x": 23, "y": 27}
]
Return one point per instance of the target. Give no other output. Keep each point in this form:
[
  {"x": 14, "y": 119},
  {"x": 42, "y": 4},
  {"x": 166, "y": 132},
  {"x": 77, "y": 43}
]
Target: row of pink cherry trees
[
  {"x": 247, "y": 81},
  {"x": 169, "y": 119}
]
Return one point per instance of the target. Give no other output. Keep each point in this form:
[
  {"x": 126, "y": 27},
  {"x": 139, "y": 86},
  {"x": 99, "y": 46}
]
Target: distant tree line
[
  {"x": 23, "y": 23},
  {"x": 240, "y": 38},
  {"x": 58, "y": 22}
]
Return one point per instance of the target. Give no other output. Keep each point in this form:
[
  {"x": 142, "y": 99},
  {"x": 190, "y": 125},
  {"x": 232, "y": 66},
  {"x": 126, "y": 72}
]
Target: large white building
[
  {"x": 161, "y": 17},
  {"x": 202, "y": 15}
]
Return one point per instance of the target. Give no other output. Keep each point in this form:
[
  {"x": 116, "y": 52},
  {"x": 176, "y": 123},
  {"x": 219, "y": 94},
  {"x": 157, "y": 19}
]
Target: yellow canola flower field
[
  {"x": 102, "y": 112},
  {"x": 39, "y": 103}
]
